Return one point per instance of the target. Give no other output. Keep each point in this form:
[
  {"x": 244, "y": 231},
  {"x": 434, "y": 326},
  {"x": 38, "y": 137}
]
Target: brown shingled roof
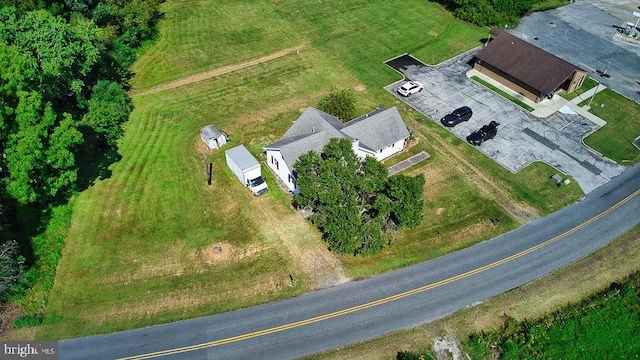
[{"x": 529, "y": 64}]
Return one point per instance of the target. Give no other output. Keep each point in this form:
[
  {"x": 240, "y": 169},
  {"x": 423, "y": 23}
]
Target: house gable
[{"x": 377, "y": 130}]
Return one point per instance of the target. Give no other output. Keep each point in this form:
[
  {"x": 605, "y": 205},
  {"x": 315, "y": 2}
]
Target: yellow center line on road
[{"x": 383, "y": 300}]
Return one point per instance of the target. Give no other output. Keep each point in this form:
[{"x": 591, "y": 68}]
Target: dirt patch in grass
[
  {"x": 219, "y": 252},
  {"x": 201, "y": 147},
  {"x": 305, "y": 246},
  {"x": 219, "y": 71},
  {"x": 360, "y": 88}
]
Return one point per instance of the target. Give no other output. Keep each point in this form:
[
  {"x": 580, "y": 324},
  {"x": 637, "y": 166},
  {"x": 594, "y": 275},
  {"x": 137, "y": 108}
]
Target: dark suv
[
  {"x": 457, "y": 116},
  {"x": 483, "y": 134}
]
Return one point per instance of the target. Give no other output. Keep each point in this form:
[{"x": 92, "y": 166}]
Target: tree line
[
  {"x": 497, "y": 13},
  {"x": 63, "y": 104}
]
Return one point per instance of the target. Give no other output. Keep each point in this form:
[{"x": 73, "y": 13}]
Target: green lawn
[
  {"x": 204, "y": 35},
  {"x": 503, "y": 94},
  {"x": 548, "y": 4},
  {"x": 615, "y": 140},
  {"x": 139, "y": 250},
  {"x": 587, "y": 85},
  {"x": 457, "y": 213}
]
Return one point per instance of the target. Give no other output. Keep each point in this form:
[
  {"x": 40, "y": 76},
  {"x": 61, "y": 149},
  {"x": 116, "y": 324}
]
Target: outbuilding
[
  {"x": 213, "y": 137},
  {"x": 525, "y": 68}
]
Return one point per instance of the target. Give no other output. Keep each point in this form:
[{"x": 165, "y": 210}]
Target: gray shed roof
[
  {"x": 314, "y": 128},
  {"x": 210, "y": 132}
]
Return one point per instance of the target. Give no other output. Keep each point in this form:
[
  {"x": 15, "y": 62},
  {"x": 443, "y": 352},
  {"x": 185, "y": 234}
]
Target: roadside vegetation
[
  {"x": 498, "y": 13},
  {"x": 149, "y": 242},
  {"x": 593, "y": 292},
  {"x": 604, "y": 325},
  {"x": 615, "y": 139}
]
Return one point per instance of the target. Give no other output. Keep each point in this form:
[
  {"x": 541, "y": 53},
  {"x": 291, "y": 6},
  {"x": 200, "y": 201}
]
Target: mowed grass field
[
  {"x": 154, "y": 243},
  {"x": 615, "y": 140}
]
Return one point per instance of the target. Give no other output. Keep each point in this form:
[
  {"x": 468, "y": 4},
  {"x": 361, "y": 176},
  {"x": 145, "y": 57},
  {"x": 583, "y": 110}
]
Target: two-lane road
[{"x": 401, "y": 299}]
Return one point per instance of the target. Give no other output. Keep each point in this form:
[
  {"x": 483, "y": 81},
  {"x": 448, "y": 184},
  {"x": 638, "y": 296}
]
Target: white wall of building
[{"x": 277, "y": 164}]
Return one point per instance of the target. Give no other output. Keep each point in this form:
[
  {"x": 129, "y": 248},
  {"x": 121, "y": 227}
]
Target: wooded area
[
  {"x": 65, "y": 72},
  {"x": 497, "y": 13}
]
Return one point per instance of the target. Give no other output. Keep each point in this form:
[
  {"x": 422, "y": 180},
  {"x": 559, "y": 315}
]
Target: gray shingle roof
[
  {"x": 314, "y": 128},
  {"x": 378, "y": 129},
  {"x": 210, "y": 132}
]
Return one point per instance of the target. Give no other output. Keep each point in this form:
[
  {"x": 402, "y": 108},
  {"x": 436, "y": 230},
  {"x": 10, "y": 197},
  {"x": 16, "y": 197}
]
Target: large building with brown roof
[{"x": 526, "y": 69}]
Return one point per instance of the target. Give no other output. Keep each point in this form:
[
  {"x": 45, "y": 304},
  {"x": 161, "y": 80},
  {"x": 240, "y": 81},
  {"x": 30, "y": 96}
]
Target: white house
[
  {"x": 380, "y": 134},
  {"x": 213, "y": 137}
]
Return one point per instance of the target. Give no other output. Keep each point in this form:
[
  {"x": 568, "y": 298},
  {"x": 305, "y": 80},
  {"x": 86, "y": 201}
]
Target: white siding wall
[
  {"x": 277, "y": 164},
  {"x": 390, "y": 150}
]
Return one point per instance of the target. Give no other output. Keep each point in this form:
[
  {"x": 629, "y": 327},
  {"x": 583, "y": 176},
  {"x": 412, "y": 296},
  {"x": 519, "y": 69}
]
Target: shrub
[{"x": 26, "y": 321}]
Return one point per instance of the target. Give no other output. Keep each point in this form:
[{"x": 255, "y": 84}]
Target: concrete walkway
[
  {"x": 547, "y": 107},
  {"x": 408, "y": 163}
]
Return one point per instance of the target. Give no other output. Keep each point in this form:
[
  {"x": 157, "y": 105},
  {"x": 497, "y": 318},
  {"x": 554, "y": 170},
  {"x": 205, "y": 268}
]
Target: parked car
[
  {"x": 409, "y": 88},
  {"x": 483, "y": 134},
  {"x": 457, "y": 116}
]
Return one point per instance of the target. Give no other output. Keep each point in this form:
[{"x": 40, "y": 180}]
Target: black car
[
  {"x": 483, "y": 134},
  {"x": 457, "y": 116}
]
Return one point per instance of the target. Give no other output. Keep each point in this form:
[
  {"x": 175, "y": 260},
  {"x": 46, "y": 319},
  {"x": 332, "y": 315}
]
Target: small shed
[{"x": 213, "y": 137}]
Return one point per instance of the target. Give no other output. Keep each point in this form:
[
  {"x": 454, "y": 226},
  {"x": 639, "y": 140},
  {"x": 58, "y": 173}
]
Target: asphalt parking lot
[
  {"x": 585, "y": 34},
  {"x": 522, "y": 137}
]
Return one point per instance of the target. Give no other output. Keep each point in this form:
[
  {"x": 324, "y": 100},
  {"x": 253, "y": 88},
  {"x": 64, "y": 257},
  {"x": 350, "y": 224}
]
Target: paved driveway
[
  {"x": 585, "y": 34},
  {"x": 522, "y": 138}
]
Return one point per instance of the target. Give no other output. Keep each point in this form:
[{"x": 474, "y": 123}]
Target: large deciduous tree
[
  {"x": 354, "y": 202},
  {"x": 341, "y": 104},
  {"x": 63, "y": 53},
  {"x": 40, "y": 152},
  {"x": 108, "y": 110}
]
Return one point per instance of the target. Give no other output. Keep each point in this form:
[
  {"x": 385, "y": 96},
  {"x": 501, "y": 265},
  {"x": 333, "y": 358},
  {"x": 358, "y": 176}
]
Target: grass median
[{"x": 502, "y": 93}]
